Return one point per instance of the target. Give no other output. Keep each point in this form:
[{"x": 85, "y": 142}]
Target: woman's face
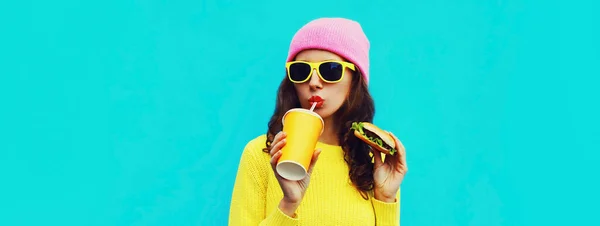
[{"x": 332, "y": 95}]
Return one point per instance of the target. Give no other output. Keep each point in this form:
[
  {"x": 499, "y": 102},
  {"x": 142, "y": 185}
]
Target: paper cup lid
[{"x": 308, "y": 112}]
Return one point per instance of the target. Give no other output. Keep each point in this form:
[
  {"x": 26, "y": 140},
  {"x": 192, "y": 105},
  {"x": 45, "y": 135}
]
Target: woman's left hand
[{"x": 388, "y": 175}]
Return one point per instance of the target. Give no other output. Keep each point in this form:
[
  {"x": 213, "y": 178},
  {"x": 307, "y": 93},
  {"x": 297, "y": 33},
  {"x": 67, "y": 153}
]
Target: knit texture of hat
[{"x": 341, "y": 36}]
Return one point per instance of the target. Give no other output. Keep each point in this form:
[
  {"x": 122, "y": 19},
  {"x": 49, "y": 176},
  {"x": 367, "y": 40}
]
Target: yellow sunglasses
[{"x": 330, "y": 71}]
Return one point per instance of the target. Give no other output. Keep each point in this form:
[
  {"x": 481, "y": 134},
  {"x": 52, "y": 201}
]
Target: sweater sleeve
[
  {"x": 387, "y": 214},
  {"x": 249, "y": 191}
]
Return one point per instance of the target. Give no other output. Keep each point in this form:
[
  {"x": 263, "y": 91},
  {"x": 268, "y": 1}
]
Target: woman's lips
[
  {"x": 316, "y": 99},
  {"x": 319, "y": 104}
]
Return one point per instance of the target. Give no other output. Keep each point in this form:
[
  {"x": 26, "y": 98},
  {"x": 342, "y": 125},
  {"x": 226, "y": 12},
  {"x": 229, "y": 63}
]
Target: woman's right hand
[{"x": 293, "y": 191}]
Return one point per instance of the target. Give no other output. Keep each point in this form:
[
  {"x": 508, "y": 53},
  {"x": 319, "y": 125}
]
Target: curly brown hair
[{"x": 358, "y": 107}]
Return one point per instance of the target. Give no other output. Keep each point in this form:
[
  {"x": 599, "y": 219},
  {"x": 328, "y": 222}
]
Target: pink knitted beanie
[{"x": 341, "y": 36}]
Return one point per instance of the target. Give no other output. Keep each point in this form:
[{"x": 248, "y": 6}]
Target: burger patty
[{"x": 374, "y": 136}]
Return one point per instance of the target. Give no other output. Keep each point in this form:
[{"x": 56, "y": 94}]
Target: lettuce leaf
[
  {"x": 358, "y": 126},
  {"x": 378, "y": 141},
  {"x": 393, "y": 151}
]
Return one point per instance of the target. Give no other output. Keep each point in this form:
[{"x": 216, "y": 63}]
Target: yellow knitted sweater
[{"x": 329, "y": 200}]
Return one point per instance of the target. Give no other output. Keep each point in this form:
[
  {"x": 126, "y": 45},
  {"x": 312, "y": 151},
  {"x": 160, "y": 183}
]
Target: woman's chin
[{"x": 323, "y": 112}]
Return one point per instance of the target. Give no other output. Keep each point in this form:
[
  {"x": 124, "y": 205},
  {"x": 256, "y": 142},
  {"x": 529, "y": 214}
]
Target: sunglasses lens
[
  {"x": 299, "y": 71},
  {"x": 331, "y": 71}
]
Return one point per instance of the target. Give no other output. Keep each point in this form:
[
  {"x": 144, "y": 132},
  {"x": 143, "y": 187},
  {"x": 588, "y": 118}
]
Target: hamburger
[{"x": 375, "y": 137}]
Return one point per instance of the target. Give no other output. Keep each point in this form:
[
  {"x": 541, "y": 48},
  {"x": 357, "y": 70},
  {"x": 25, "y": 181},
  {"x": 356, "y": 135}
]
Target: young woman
[{"x": 349, "y": 183}]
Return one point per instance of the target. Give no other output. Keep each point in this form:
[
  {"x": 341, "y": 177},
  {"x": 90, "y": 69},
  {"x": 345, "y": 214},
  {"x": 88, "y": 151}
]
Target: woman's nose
[{"x": 315, "y": 81}]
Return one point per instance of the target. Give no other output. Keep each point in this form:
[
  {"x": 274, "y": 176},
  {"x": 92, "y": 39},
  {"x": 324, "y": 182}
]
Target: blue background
[{"x": 136, "y": 112}]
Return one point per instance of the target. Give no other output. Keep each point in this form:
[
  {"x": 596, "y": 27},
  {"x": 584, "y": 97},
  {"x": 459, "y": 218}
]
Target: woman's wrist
[
  {"x": 288, "y": 208},
  {"x": 384, "y": 198}
]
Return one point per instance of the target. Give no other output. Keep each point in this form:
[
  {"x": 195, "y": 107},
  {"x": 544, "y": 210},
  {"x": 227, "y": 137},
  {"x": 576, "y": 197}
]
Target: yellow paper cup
[{"x": 303, "y": 129}]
